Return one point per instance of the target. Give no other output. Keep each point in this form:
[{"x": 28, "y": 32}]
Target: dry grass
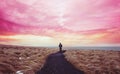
[
  {"x": 24, "y": 59},
  {"x": 95, "y": 61},
  {"x": 28, "y": 60}
]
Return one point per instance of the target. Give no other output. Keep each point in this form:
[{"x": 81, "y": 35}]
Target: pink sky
[{"x": 48, "y": 22}]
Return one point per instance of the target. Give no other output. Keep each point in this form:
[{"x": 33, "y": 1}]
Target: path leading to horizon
[{"x": 57, "y": 64}]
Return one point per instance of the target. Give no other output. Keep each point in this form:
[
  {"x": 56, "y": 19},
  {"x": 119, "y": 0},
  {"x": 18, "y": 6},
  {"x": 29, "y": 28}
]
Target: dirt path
[{"x": 57, "y": 64}]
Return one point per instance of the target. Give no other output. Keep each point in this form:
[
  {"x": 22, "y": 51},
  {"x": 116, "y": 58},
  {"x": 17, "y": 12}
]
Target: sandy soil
[{"x": 28, "y": 60}]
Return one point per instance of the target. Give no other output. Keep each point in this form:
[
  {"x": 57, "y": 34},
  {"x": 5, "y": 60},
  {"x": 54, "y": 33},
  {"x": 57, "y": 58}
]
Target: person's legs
[{"x": 60, "y": 48}]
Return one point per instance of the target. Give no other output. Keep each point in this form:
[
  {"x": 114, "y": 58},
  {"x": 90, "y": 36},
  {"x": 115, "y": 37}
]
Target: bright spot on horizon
[{"x": 71, "y": 22}]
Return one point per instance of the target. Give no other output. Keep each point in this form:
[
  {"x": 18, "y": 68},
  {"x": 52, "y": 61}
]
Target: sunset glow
[{"x": 48, "y": 22}]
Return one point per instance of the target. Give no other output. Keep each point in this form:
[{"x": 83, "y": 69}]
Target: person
[{"x": 60, "y": 47}]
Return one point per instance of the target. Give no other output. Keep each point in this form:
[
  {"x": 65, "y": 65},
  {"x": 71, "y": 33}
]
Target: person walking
[{"x": 60, "y": 47}]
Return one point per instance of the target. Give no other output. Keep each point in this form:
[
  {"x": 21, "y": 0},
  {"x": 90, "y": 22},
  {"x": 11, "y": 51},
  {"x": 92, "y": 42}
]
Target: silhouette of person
[{"x": 60, "y": 47}]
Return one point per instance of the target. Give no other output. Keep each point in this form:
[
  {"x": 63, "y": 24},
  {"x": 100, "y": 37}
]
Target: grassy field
[
  {"x": 95, "y": 61},
  {"x": 24, "y": 59},
  {"x": 28, "y": 60}
]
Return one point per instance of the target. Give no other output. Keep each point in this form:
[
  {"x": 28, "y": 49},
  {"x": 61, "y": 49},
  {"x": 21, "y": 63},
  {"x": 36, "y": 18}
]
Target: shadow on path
[{"x": 57, "y": 64}]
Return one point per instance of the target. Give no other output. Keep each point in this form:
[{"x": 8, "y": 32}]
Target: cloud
[{"x": 71, "y": 21}]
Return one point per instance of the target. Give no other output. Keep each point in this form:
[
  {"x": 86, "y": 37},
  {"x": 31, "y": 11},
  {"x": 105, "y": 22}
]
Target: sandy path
[{"x": 57, "y": 64}]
